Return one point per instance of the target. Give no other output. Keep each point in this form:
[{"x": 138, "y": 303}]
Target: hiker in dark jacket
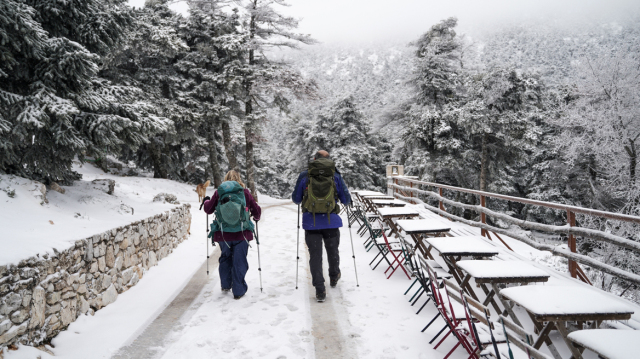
[
  {"x": 321, "y": 227},
  {"x": 234, "y": 245}
]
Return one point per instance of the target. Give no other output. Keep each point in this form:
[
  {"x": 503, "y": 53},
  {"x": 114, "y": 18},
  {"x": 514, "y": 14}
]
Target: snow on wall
[{"x": 42, "y": 295}]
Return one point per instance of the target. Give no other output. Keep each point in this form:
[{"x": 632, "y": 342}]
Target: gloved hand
[
  {"x": 207, "y": 198},
  {"x": 256, "y": 220}
]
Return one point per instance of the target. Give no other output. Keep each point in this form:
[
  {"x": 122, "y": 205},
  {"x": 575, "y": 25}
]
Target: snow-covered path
[
  {"x": 370, "y": 321},
  {"x": 176, "y": 311}
]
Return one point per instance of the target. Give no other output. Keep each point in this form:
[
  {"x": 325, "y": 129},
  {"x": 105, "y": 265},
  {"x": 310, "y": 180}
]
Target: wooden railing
[{"x": 406, "y": 189}]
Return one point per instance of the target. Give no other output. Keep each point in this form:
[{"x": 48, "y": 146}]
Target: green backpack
[
  {"x": 232, "y": 214},
  {"x": 320, "y": 194}
]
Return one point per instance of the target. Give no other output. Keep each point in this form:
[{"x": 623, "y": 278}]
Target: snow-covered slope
[{"x": 29, "y": 227}]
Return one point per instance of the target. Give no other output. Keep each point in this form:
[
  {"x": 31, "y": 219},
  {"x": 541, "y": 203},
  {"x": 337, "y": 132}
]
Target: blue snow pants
[{"x": 233, "y": 266}]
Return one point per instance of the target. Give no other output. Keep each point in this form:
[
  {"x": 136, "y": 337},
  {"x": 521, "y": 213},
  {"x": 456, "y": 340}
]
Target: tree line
[{"x": 180, "y": 96}]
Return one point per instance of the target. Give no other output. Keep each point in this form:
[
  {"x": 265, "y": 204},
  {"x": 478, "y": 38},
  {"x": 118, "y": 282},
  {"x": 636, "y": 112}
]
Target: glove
[
  {"x": 207, "y": 198},
  {"x": 256, "y": 220}
]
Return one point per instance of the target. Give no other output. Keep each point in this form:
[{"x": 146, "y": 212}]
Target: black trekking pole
[
  {"x": 259, "y": 266},
  {"x": 298, "y": 248},
  {"x": 206, "y": 239},
  {"x": 353, "y": 254}
]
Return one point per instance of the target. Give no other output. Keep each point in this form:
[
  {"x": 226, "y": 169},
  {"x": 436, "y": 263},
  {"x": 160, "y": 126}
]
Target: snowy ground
[
  {"x": 29, "y": 228},
  {"x": 373, "y": 320}
]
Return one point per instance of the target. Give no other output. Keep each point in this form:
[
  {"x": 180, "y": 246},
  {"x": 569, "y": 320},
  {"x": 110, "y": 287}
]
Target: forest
[{"x": 547, "y": 111}]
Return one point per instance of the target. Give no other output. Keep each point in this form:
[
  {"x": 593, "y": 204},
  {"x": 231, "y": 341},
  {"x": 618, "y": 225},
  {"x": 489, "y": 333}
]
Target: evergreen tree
[
  {"x": 497, "y": 115},
  {"x": 55, "y": 106},
  {"x": 148, "y": 62},
  {"x": 360, "y": 155},
  {"x": 214, "y": 68},
  {"x": 265, "y": 82},
  {"x": 436, "y": 79}
]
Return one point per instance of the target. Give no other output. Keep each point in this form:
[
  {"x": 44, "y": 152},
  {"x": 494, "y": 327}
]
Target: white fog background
[{"x": 371, "y": 21}]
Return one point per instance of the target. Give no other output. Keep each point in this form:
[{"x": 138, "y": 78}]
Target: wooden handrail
[
  {"x": 564, "y": 207},
  {"x": 617, "y": 272},
  {"x": 585, "y": 232}
]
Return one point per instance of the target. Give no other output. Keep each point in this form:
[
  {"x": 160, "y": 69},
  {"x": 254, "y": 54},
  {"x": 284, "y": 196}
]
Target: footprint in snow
[{"x": 291, "y": 307}]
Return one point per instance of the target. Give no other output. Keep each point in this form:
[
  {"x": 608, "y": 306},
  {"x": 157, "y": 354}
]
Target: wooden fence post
[
  {"x": 411, "y": 193},
  {"x": 571, "y": 220},
  {"x": 440, "y": 202},
  {"x": 483, "y": 217}
]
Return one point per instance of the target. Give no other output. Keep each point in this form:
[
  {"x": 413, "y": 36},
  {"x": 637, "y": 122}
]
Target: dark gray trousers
[{"x": 314, "y": 239}]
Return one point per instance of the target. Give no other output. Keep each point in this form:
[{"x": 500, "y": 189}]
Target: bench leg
[{"x": 576, "y": 353}]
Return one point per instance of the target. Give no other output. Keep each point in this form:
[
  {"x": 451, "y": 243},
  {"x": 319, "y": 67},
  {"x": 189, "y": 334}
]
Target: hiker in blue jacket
[{"x": 320, "y": 226}]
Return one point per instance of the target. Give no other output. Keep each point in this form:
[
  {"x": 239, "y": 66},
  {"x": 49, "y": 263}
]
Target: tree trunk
[
  {"x": 248, "y": 111},
  {"x": 213, "y": 154},
  {"x": 432, "y": 144},
  {"x": 155, "y": 152},
  {"x": 251, "y": 184},
  {"x": 228, "y": 148},
  {"x": 633, "y": 158},
  {"x": 484, "y": 163}
]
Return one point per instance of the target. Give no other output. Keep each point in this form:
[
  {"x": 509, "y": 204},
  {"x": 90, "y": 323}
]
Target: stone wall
[{"x": 42, "y": 295}]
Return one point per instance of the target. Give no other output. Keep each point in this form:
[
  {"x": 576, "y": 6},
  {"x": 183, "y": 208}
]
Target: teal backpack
[{"x": 232, "y": 214}]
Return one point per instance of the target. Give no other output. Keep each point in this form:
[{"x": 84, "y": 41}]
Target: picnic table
[
  {"x": 419, "y": 228},
  {"x": 496, "y": 272},
  {"x": 388, "y": 202},
  {"x": 558, "y": 305},
  {"x": 367, "y": 193},
  {"x": 452, "y": 249},
  {"x": 368, "y": 204},
  {"x": 388, "y": 214},
  {"x": 609, "y": 343}
]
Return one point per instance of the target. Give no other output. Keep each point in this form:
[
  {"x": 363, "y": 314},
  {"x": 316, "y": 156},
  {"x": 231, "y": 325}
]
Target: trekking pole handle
[
  {"x": 257, "y": 239},
  {"x": 202, "y": 204}
]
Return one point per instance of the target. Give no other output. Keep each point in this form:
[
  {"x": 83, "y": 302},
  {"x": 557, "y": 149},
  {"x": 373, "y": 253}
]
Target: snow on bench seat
[
  {"x": 397, "y": 211},
  {"x": 463, "y": 246},
  {"x": 368, "y": 193},
  {"x": 422, "y": 226},
  {"x": 389, "y": 202},
  {"x": 503, "y": 271},
  {"x": 609, "y": 343},
  {"x": 566, "y": 302}
]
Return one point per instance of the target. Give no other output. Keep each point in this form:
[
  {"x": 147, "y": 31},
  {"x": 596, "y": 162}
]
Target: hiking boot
[
  {"x": 334, "y": 282},
  {"x": 236, "y": 297},
  {"x": 226, "y": 289},
  {"x": 321, "y": 295}
]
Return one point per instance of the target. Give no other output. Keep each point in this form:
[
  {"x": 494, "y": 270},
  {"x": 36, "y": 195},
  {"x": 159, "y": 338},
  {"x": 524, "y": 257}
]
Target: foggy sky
[{"x": 357, "y": 21}]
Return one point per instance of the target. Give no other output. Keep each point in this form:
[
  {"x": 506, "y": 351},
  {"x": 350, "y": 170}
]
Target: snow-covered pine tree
[
  {"x": 436, "y": 79},
  {"x": 497, "y": 115},
  {"x": 56, "y": 105},
  {"x": 360, "y": 156},
  {"x": 214, "y": 69},
  {"x": 265, "y": 80},
  {"x": 146, "y": 62}
]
